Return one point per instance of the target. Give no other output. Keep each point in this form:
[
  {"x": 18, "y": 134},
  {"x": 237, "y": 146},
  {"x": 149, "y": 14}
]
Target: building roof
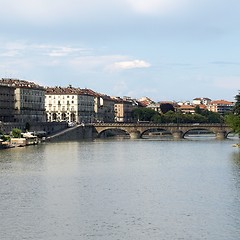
[
  {"x": 145, "y": 101},
  {"x": 202, "y": 98},
  {"x": 67, "y": 91},
  {"x": 221, "y": 102},
  {"x": 17, "y": 83},
  {"x": 186, "y": 107},
  {"x": 202, "y": 106}
]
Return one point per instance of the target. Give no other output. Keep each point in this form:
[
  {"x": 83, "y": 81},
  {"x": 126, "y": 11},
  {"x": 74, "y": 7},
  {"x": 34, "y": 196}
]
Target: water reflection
[{"x": 121, "y": 189}]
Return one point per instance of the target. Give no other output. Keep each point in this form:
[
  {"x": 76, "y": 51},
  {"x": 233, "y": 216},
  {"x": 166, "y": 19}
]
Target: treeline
[{"x": 200, "y": 116}]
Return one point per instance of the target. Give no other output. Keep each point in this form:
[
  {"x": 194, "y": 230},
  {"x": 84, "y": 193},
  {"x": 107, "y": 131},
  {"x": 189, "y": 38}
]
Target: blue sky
[{"x": 163, "y": 49}]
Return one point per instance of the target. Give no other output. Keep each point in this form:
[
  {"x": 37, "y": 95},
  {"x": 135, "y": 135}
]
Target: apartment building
[
  {"x": 29, "y": 101},
  {"x": 104, "y": 108},
  {"x": 7, "y": 103},
  {"x": 186, "y": 109},
  {"x": 220, "y": 106},
  {"x": 69, "y": 104},
  {"x": 123, "y": 110}
]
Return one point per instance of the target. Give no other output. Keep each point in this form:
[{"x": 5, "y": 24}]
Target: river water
[{"x": 121, "y": 189}]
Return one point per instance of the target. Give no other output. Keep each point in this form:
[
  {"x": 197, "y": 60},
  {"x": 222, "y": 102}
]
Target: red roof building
[{"x": 220, "y": 106}]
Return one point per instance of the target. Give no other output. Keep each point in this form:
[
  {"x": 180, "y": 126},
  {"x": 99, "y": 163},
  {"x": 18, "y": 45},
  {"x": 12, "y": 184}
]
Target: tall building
[
  {"x": 29, "y": 100},
  {"x": 69, "y": 104},
  {"x": 7, "y": 103}
]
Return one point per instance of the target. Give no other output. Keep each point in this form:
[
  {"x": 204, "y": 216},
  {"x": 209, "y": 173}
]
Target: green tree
[
  {"x": 198, "y": 110},
  {"x": 16, "y": 132},
  {"x": 236, "y": 109},
  {"x": 212, "y": 117},
  {"x": 144, "y": 114},
  {"x": 233, "y": 119}
]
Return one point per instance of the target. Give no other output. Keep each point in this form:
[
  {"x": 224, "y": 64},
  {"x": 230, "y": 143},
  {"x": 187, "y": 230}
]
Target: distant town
[{"x": 24, "y": 101}]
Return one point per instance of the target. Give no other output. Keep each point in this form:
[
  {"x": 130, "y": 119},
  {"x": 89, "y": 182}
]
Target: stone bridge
[{"x": 178, "y": 131}]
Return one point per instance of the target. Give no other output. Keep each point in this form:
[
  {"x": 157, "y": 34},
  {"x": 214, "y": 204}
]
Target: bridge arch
[
  {"x": 230, "y": 132},
  {"x": 198, "y": 131},
  {"x": 109, "y": 132},
  {"x": 155, "y": 131}
]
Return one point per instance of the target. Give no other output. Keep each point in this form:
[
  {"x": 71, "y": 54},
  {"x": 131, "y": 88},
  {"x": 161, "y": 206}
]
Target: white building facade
[{"x": 69, "y": 104}]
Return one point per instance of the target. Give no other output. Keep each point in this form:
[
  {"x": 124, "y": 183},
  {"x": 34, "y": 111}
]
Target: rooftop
[{"x": 17, "y": 83}]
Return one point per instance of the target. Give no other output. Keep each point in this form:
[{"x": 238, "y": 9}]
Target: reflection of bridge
[{"x": 178, "y": 131}]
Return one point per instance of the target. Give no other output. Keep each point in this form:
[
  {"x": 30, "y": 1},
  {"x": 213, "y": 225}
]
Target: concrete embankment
[
  {"x": 74, "y": 133},
  {"x": 48, "y": 127}
]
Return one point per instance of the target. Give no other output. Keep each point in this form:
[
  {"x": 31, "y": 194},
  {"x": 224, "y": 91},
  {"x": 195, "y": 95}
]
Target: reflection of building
[
  {"x": 220, "y": 106},
  {"x": 29, "y": 100},
  {"x": 69, "y": 104},
  {"x": 7, "y": 103}
]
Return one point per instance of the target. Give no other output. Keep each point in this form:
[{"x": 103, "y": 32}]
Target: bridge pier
[
  {"x": 134, "y": 134},
  {"x": 177, "y": 135},
  {"x": 221, "y": 135}
]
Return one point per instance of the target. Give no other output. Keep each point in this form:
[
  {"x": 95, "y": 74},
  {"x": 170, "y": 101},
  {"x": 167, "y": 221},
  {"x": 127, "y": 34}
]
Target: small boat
[{"x": 236, "y": 145}]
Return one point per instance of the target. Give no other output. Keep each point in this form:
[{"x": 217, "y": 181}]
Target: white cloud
[
  {"x": 65, "y": 51},
  {"x": 11, "y": 49},
  {"x": 78, "y": 58},
  {"x": 10, "y": 53},
  {"x": 93, "y": 62},
  {"x": 162, "y": 7},
  {"x": 15, "y": 49},
  {"x": 129, "y": 65}
]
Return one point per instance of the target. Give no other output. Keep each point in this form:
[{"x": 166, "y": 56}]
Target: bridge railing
[{"x": 161, "y": 124}]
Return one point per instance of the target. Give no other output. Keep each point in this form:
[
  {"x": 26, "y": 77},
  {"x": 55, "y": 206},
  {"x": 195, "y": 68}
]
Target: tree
[
  {"x": 166, "y": 107},
  {"x": 236, "y": 109},
  {"x": 198, "y": 110},
  {"x": 144, "y": 114},
  {"x": 233, "y": 119},
  {"x": 212, "y": 117},
  {"x": 16, "y": 132}
]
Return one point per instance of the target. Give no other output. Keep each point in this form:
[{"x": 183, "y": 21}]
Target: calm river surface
[{"x": 121, "y": 189}]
